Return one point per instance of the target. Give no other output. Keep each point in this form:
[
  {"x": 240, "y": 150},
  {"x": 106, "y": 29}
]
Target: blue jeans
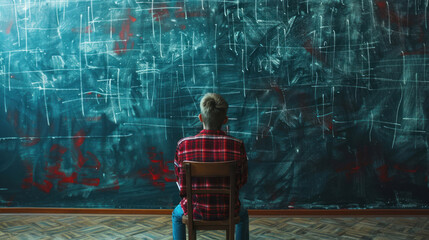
[{"x": 179, "y": 229}]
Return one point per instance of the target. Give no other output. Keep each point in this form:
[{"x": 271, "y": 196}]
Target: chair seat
[{"x": 198, "y": 222}]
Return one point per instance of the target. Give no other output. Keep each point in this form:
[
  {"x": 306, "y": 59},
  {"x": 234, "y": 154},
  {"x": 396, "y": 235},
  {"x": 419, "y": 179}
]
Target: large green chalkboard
[{"x": 330, "y": 98}]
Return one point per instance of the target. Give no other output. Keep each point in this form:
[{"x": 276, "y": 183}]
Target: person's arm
[{"x": 180, "y": 174}]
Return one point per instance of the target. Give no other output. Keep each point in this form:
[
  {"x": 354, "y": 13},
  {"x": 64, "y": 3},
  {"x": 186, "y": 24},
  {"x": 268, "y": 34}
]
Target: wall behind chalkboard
[{"x": 330, "y": 98}]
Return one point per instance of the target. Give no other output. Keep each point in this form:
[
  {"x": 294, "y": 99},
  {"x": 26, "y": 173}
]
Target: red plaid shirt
[{"x": 210, "y": 146}]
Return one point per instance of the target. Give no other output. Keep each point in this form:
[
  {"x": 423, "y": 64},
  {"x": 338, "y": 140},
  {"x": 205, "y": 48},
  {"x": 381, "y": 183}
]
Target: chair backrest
[{"x": 208, "y": 170}]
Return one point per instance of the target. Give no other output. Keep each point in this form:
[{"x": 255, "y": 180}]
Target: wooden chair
[{"x": 204, "y": 170}]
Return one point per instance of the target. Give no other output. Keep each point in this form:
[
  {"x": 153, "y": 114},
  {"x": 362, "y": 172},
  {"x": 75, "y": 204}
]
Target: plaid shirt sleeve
[{"x": 180, "y": 174}]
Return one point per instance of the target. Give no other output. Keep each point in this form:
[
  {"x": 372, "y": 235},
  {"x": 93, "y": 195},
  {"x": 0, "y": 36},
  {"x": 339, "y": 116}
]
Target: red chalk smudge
[
  {"x": 29, "y": 141},
  {"x": 160, "y": 13},
  {"x": 183, "y": 27},
  {"x": 329, "y": 123},
  {"x": 124, "y": 35},
  {"x": 381, "y": 5},
  {"x": 56, "y": 176},
  {"x": 97, "y": 163},
  {"x": 314, "y": 52},
  {"x": 133, "y": 19},
  {"x": 383, "y": 170},
  {"x": 179, "y": 13},
  {"x": 54, "y": 172},
  {"x": 88, "y": 29},
  {"x": 28, "y": 182},
  {"x": 72, "y": 180},
  {"x": 394, "y": 18},
  {"x": 9, "y": 27},
  {"x": 78, "y": 141},
  {"x": 45, "y": 187},
  {"x": 118, "y": 50},
  {"x": 158, "y": 172},
  {"x": 13, "y": 116},
  {"x": 93, "y": 119},
  {"x": 404, "y": 170},
  {"x": 421, "y": 52},
  {"x": 154, "y": 175},
  {"x": 363, "y": 159},
  {"x": 279, "y": 91},
  {"x": 79, "y": 138},
  {"x": 58, "y": 148},
  {"x": 91, "y": 181}
]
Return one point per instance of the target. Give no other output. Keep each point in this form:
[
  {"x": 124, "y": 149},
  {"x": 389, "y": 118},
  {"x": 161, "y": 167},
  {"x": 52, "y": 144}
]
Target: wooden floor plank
[{"x": 73, "y": 226}]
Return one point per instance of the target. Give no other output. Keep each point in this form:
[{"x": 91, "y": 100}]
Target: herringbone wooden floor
[{"x": 36, "y": 226}]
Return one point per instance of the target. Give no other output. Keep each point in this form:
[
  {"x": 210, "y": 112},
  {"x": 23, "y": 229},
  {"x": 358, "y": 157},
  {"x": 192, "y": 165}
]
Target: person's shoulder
[{"x": 190, "y": 138}]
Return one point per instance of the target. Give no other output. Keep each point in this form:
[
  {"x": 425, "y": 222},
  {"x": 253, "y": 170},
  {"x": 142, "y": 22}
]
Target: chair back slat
[{"x": 211, "y": 169}]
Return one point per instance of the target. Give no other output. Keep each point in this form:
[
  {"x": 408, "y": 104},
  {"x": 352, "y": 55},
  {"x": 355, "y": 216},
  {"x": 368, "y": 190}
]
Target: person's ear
[
  {"x": 200, "y": 117},
  {"x": 225, "y": 120}
]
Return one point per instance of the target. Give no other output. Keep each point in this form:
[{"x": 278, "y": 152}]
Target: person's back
[{"x": 210, "y": 145}]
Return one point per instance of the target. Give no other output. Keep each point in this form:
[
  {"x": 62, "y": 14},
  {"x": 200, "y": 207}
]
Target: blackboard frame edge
[{"x": 252, "y": 212}]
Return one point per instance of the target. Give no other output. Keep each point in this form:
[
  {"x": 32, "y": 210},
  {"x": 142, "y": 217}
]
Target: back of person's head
[{"x": 213, "y": 110}]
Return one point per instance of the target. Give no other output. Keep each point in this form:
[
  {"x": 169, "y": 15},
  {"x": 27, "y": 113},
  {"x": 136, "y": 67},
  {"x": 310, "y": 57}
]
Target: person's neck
[{"x": 212, "y": 129}]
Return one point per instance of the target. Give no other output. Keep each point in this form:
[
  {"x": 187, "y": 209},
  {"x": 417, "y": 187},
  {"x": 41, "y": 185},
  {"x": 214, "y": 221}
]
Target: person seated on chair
[{"x": 210, "y": 145}]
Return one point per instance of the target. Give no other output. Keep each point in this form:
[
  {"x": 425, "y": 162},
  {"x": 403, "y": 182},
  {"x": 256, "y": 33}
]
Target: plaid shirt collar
[{"x": 211, "y": 132}]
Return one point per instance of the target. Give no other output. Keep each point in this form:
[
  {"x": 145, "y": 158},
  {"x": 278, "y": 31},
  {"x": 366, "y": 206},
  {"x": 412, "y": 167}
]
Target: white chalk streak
[
  {"x": 118, "y": 89},
  {"x": 242, "y": 70},
  {"x": 44, "y": 79},
  {"x": 9, "y": 71},
  {"x": 397, "y": 114},
  {"x": 183, "y": 61},
  {"x": 4, "y": 89},
  {"x": 63, "y": 137},
  {"x": 372, "y": 125},
  {"x": 17, "y": 24},
  {"x": 80, "y": 66},
  {"x": 157, "y": 125}
]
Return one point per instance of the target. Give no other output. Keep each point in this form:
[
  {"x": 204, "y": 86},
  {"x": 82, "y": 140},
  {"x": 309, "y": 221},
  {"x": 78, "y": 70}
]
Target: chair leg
[
  {"x": 193, "y": 235},
  {"x": 231, "y": 234}
]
